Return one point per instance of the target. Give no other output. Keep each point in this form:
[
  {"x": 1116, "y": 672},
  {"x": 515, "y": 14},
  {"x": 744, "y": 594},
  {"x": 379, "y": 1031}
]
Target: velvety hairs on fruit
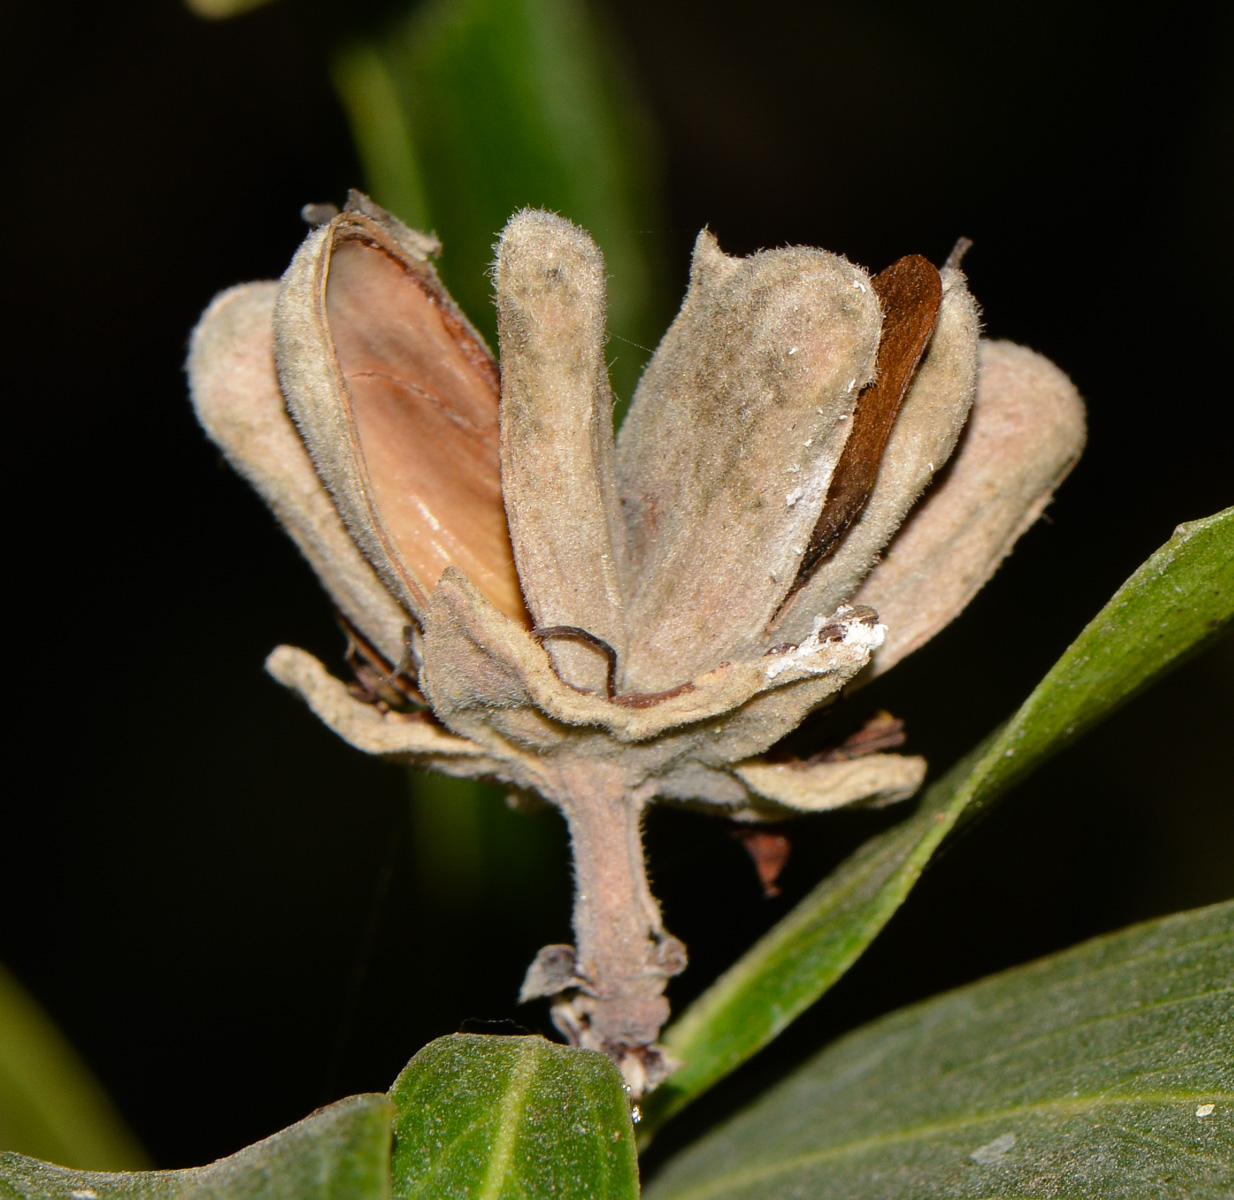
[{"x": 819, "y": 469}]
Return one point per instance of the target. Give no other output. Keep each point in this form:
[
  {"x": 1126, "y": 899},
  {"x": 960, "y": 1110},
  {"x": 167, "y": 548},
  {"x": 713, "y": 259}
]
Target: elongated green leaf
[
  {"x": 1106, "y": 1071},
  {"x": 51, "y": 1106},
  {"x": 499, "y": 1118},
  {"x": 473, "y": 109},
  {"x": 339, "y": 1153},
  {"x": 1182, "y": 596},
  {"x": 382, "y": 131}
]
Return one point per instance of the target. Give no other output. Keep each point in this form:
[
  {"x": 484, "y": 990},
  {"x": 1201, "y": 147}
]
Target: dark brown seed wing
[{"x": 910, "y": 292}]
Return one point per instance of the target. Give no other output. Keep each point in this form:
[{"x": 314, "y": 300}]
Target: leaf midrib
[
  {"x": 509, "y": 1118},
  {"x": 998, "y": 1056},
  {"x": 1173, "y": 1148}
]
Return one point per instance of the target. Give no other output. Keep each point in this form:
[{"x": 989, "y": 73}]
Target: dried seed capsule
[{"x": 666, "y": 661}]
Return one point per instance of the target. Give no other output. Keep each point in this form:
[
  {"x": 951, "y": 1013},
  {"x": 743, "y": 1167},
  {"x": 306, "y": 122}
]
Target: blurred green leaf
[
  {"x": 1106, "y": 1071},
  {"x": 472, "y": 109},
  {"x": 448, "y": 822},
  {"x": 1180, "y": 598},
  {"x": 518, "y": 1117},
  {"x": 51, "y": 1106},
  {"x": 339, "y": 1153},
  {"x": 470, "y": 847},
  {"x": 385, "y": 144},
  {"x": 219, "y": 10}
]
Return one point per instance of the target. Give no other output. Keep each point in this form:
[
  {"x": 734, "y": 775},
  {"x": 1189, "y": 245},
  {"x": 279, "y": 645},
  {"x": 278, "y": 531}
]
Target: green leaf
[
  {"x": 511, "y": 1117},
  {"x": 1106, "y": 1071},
  {"x": 384, "y": 141},
  {"x": 339, "y": 1153},
  {"x": 1180, "y": 598},
  {"x": 473, "y": 109},
  {"x": 51, "y": 1106}
]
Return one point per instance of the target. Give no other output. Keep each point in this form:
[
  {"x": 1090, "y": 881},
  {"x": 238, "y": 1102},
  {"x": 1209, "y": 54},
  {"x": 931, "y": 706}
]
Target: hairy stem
[{"x": 609, "y": 988}]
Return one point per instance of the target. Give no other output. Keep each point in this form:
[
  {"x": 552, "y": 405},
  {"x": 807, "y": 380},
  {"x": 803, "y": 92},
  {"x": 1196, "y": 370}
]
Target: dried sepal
[
  {"x": 396, "y": 397},
  {"x": 779, "y": 790},
  {"x": 1025, "y": 433},
  {"x": 488, "y": 678},
  {"x": 406, "y": 737},
  {"x": 557, "y": 439},
  {"x": 237, "y": 399}
]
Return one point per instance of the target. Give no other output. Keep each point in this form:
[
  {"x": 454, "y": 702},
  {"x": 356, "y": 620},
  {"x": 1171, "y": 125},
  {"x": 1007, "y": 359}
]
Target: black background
[{"x": 190, "y": 863}]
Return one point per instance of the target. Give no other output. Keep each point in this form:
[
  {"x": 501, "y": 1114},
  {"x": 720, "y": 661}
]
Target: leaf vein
[{"x": 1070, "y": 1106}]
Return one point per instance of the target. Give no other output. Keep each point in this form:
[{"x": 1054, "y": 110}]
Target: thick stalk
[{"x": 609, "y": 987}]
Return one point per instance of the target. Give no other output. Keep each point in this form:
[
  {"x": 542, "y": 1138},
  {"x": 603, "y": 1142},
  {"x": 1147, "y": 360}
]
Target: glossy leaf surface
[
  {"x": 339, "y": 1153},
  {"x": 1105, "y": 1071},
  {"x": 511, "y": 1117},
  {"x": 1181, "y": 597}
]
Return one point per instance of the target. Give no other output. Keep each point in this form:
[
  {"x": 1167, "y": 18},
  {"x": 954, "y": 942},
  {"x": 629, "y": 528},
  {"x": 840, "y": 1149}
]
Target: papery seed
[{"x": 423, "y": 397}]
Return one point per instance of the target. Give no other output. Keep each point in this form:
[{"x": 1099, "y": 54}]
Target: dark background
[{"x": 233, "y": 915}]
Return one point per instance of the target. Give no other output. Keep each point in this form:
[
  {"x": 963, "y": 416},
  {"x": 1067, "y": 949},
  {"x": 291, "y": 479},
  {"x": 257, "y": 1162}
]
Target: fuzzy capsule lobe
[{"x": 397, "y": 400}]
